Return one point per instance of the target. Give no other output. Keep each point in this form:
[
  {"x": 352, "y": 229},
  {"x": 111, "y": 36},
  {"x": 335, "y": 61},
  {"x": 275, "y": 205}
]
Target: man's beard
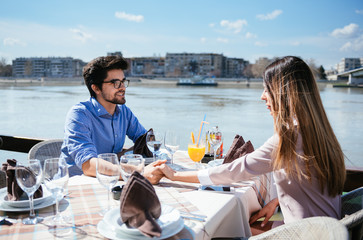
[{"x": 114, "y": 99}]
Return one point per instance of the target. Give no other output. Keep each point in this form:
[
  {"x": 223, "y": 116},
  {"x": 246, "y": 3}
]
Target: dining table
[{"x": 206, "y": 214}]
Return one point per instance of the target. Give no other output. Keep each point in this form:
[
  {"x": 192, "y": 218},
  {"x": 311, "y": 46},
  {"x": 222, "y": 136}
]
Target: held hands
[
  {"x": 153, "y": 172},
  {"x": 267, "y": 212}
]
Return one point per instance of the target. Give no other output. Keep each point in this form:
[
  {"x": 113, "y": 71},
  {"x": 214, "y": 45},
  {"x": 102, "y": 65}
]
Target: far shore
[{"x": 222, "y": 82}]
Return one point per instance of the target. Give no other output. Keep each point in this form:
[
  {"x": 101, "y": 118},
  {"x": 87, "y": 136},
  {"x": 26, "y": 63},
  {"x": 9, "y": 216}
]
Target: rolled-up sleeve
[
  {"x": 79, "y": 145},
  {"x": 246, "y": 167}
]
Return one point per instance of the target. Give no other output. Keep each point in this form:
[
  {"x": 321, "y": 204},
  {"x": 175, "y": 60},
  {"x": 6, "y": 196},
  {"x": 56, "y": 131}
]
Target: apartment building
[
  {"x": 146, "y": 67},
  {"x": 55, "y": 67},
  {"x": 347, "y": 64}
]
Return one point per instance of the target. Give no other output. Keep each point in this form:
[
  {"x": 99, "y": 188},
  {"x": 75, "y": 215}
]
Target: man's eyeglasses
[{"x": 117, "y": 83}]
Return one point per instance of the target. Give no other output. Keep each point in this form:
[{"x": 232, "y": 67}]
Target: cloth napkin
[
  {"x": 14, "y": 190},
  {"x": 140, "y": 206},
  {"x": 140, "y": 146},
  {"x": 238, "y": 149}
]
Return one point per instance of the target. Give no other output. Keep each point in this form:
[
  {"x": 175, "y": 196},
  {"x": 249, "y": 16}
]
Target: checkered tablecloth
[{"x": 82, "y": 205}]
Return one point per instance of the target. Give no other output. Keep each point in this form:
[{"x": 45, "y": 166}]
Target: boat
[{"x": 197, "y": 81}]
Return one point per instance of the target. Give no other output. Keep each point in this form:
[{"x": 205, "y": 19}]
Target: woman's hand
[
  {"x": 167, "y": 171},
  {"x": 153, "y": 173},
  {"x": 267, "y": 212}
]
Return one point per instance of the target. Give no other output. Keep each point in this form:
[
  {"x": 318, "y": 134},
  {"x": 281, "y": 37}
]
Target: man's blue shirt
[{"x": 90, "y": 130}]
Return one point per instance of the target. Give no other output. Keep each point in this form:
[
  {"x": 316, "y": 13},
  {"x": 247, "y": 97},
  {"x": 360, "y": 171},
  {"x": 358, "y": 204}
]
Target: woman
[{"x": 304, "y": 155}]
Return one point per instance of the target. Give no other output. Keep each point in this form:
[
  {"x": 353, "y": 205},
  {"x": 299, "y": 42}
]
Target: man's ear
[{"x": 95, "y": 89}]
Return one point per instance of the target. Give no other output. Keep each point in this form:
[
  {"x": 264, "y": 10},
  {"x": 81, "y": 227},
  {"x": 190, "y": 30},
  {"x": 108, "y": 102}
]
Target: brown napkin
[
  {"x": 140, "y": 146},
  {"x": 14, "y": 190},
  {"x": 140, "y": 206},
  {"x": 238, "y": 149}
]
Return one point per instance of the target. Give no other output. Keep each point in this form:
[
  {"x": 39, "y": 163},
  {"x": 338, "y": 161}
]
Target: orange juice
[{"x": 196, "y": 153}]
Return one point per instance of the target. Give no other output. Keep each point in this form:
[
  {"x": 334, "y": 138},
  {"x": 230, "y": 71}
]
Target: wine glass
[
  {"x": 215, "y": 139},
  {"x": 172, "y": 143},
  {"x": 130, "y": 163},
  {"x": 154, "y": 141},
  {"x": 108, "y": 173},
  {"x": 196, "y": 152},
  {"x": 56, "y": 180},
  {"x": 29, "y": 176}
]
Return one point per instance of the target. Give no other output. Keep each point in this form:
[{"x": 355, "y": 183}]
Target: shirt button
[{"x": 116, "y": 135}]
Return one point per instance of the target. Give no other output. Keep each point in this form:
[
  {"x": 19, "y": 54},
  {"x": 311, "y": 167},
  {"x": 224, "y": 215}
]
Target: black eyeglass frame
[{"x": 117, "y": 83}]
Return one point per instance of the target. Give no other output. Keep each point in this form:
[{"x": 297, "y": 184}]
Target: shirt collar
[{"x": 101, "y": 111}]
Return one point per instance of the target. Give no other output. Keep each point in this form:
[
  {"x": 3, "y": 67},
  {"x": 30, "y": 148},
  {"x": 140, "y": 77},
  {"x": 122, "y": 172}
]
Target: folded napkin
[
  {"x": 140, "y": 206},
  {"x": 140, "y": 146},
  {"x": 14, "y": 190},
  {"x": 238, "y": 149}
]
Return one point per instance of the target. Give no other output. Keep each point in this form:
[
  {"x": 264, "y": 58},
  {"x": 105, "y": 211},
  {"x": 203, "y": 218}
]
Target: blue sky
[{"x": 322, "y": 30}]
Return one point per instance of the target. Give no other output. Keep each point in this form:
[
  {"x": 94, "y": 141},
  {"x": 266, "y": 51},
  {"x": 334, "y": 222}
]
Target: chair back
[
  {"x": 46, "y": 149},
  {"x": 318, "y": 228},
  {"x": 2, "y": 179},
  {"x": 352, "y": 213}
]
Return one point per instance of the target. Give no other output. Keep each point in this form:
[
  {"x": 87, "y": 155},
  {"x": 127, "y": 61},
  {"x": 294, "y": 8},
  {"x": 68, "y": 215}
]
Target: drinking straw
[
  {"x": 193, "y": 139},
  {"x": 201, "y": 128}
]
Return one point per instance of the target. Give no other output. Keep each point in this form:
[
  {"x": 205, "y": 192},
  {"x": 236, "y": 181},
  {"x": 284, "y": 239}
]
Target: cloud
[
  {"x": 269, "y": 16},
  {"x": 296, "y": 43},
  {"x": 359, "y": 11},
  {"x": 80, "y": 35},
  {"x": 250, "y": 35},
  {"x": 261, "y": 44},
  {"x": 222, "y": 40},
  {"x": 353, "y": 45},
  {"x": 348, "y": 31},
  {"x": 235, "y": 26},
  {"x": 203, "y": 40},
  {"x": 13, "y": 42},
  {"x": 211, "y": 25},
  {"x": 129, "y": 17}
]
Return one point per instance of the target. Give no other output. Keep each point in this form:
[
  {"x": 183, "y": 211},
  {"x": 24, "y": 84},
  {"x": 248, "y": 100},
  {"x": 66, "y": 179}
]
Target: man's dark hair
[{"x": 95, "y": 72}]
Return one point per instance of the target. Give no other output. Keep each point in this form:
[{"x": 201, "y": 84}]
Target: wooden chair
[{"x": 352, "y": 213}]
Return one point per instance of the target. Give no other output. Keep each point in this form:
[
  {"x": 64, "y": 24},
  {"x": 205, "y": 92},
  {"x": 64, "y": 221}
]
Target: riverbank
[{"x": 222, "y": 82}]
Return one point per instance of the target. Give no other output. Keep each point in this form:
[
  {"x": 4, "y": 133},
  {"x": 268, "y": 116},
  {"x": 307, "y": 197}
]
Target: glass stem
[
  {"x": 172, "y": 159},
  {"x": 32, "y": 213},
  {"x": 154, "y": 155},
  {"x": 57, "y": 214},
  {"x": 108, "y": 199},
  {"x": 215, "y": 153}
]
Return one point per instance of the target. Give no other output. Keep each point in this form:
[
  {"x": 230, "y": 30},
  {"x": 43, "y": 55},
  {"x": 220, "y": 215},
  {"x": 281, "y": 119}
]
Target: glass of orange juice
[{"x": 196, "y": 151}]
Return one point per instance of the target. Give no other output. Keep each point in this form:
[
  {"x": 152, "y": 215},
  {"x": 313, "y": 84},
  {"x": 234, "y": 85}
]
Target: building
[
  {"x": 53, "y": 67},
  {"x": 234, "y": 67},
  {"x": 190, "y": 64},
  {"x": 146, "y": 67},
  {"x": 347, "y": 64}
]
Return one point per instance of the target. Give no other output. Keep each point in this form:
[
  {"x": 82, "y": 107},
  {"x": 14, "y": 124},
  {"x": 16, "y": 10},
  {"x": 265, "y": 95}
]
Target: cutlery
[{"x": 193, "y": 218}]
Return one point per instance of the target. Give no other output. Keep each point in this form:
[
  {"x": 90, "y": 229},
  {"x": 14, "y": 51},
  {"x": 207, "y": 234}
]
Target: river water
[{"x": 39, "y": 111}]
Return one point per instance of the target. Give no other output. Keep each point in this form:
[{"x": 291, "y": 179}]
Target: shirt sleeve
[
  {"x": 256, "y": 163},
  {"x": 80, "y": 147}
]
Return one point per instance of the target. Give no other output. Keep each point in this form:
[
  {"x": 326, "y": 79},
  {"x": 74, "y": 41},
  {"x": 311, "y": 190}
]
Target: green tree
[
  {"x": 6, "y": 70},
  {"x": 321, "y": 72}
]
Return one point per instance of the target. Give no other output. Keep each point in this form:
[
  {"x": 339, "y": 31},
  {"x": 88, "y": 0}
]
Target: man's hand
[
  {"x": 267, "y": 212},
  {"x": 153, "y": 173}
]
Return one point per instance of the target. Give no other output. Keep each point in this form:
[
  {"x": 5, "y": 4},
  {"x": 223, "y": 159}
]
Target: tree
[
  {"x": 5, "y": 69},
  {"x": 321, "y": 72},
  {"x": 193, "y": 67},
  {"x": 247, "y": 71}
]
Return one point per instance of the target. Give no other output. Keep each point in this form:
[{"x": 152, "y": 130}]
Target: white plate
[
  {"x": 46, "y": 203},
  {"x": 112, "y": 227},
  {"x": 24, "y": 203}
]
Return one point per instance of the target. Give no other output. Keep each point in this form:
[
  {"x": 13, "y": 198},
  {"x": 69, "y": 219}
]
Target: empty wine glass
[
  {"x": 56, "y": 180},
  {"x": 29, "y": 176},
  {"x": 215, "y": 139},
  {"x": 172, "y": 143},
  {"x": 130, "y": 163},
  {"x": 108, "y": 173},
  {"x": 154, "y": 141}
]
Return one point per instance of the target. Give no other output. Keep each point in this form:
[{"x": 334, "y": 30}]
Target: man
[{"x": 101, "y": 124}]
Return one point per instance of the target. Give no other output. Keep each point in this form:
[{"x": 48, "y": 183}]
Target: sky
[{"x": 323, "y": 31}]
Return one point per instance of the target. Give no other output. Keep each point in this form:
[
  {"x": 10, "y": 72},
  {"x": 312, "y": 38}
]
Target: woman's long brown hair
[{"x": 297, "y": 107}]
